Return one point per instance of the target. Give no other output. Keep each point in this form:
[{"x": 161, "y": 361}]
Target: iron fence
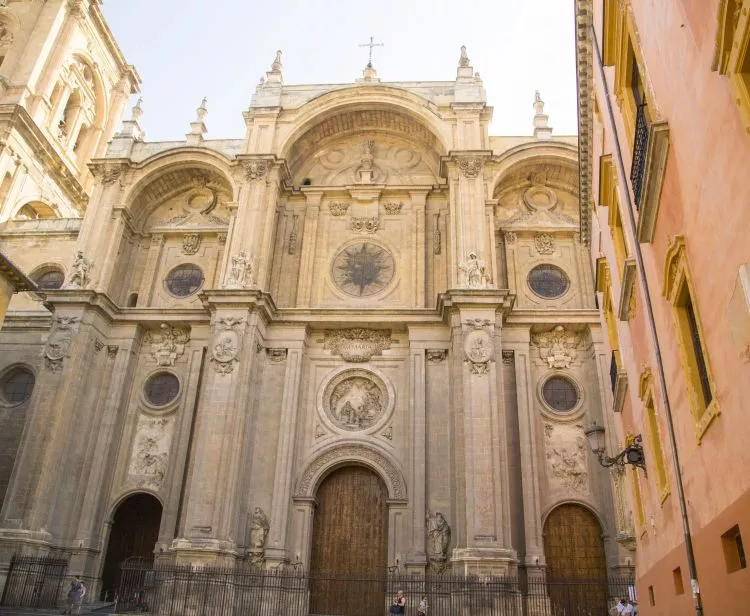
[
  {"x": 208, "y": 591},
  {"x": 34, "y": 581}
]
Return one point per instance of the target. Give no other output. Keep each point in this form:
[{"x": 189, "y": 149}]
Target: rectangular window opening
[
  {"x": 734, "y": 550},
  {"x": 697, "y": 348},
  {"x": 651, "y": 597},
  {"x": 679, "y": 587}
]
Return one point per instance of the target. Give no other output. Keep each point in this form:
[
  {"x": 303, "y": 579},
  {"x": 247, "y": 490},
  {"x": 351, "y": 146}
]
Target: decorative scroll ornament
[
  {"x": 168, "y": 344},
  {"x": 240, "y": 272},
  {"x": 338, "y": 208},
  {"x": 365, "y": 225},
  {"x": 435, "y": 356},
  {"x": 436, "y": 236},
  {"x": 226, "y": 344},
  {"x": 56, "y": 349},
  {"x": 557, "y": 347},
  {"x": 107, "y": 173},
  {"x": 438, "y": 541},
  {"x": 475, "y": 272},
  {"x": 393, "y": 207},
  {"x": 293, "y": 236},
  {"x": 79, "y": 272},
  {"x": 357, "y": 344},
  {"x": 470, "y": 167},
  {"x": 191, "y": 242},
  {"x": 544, "y": 243},
  {"x": 254, "y": 170},
  {"x": 277, "y": 355},
  {"x": 510, "y": 237},
  {"x": 479, "y": 350}
]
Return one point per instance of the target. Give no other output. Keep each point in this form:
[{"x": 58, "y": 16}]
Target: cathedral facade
[{"x": 362, "y": 336}]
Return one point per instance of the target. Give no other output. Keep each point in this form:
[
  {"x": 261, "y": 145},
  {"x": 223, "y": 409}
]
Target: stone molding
[{"x": 344, "y": 453}]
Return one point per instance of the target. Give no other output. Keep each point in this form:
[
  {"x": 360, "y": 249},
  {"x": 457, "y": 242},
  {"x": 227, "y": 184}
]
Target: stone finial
[
  {"x": 274, "y": 78},
  {"x": 137, "y": 111},
  {"x": 541, "y": 130},
  {"x": 131, "y": 129},
  {"x": 463, "y": 61},
  {"x": 198, "y": 128},
  {"x": 276, "y": 64}
]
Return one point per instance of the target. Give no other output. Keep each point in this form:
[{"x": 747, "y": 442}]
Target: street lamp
[{"x": 632, "y": 454}]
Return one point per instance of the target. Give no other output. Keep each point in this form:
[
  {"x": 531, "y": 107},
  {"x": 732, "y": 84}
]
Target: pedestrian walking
[
  {"x": 422, "y": 609},
  {"x": 75, "y": 597},
  {"x": 399, "y": 603}
]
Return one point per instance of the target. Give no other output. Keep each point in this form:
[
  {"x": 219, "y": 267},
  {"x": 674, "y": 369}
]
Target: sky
[{"x": 187, "y": 49}]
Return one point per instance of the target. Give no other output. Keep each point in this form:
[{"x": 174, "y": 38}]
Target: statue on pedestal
[
  {"x": 259, "y": 528},
  {"x": 438, "y": 541}
]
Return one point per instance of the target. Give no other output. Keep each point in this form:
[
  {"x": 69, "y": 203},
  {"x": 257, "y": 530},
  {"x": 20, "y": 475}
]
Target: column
[
  {"x": 518, "y": 341},
  {"x": 419, "y": 338},
  {"x": 418, "y": 200},
  {"x": 309, "y": 244},
  {"x": 277, "y": 550}
]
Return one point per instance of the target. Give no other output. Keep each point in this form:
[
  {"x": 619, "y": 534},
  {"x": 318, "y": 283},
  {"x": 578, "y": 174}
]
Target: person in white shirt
[
  {"x": 628, "y": 609},
  {"x": 618, "y": 608}
]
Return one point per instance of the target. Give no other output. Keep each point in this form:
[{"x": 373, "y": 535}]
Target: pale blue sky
[{"x": 187, "y": 49}]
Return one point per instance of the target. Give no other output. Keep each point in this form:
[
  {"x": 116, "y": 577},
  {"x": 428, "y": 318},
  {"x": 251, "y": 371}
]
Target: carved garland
[
  {"x": 347, "y": 453},
  {"x": 254, "y": 170}
]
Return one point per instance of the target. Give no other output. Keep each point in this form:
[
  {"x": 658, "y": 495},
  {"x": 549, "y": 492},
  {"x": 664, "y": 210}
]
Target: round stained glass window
[
  {"x": 548, "y": 281},
  {"x": 363, "y": 269},
  {"x": 16, "y": 386},
  {"x": 560, "y": 393},
  {"x": 162, "y": 388},
  {"x": 51, "y": 279},
  {"x": 184, "y": 280}
]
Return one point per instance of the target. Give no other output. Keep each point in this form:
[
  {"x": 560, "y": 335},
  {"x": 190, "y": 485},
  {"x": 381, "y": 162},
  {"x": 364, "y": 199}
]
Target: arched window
[
  {"x": 49, "y": 278},
  {"x": 35, "y": 210}
]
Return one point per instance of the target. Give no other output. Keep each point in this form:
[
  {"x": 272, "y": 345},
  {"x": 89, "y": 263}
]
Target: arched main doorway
[
  {"x": 350, "y": 544},
  {"x": 135, "y": 530},
  {"x": 574, "y": 550}
]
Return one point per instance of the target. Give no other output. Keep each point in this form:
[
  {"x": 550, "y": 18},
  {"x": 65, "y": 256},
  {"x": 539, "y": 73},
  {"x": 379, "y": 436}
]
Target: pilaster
[
  {"x": 418, "y": 201},
  {"x": 309, "y": 244}
]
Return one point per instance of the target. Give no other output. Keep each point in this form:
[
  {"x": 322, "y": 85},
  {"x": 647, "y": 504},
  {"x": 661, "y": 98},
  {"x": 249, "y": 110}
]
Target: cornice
[
  {"x": 584, "y": 79},
  {"x": 15, "y": 117},
  {"x": 15, "y": 276}
]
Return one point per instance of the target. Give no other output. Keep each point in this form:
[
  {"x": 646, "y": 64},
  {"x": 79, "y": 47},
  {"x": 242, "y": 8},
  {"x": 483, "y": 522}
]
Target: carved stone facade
[{"x": 275, "y": 309}]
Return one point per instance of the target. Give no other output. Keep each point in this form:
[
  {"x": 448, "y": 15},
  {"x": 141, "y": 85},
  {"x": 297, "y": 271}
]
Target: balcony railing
[{"x": 640, "y": 145}]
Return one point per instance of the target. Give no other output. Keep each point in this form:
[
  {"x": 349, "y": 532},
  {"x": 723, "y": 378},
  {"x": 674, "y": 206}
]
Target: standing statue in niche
[
  {"x": 438, "y": 541},
  {"x": 259, "y": 528},
  {"x": 475, "y": 272},
  {"x": 240, "y": 271}
]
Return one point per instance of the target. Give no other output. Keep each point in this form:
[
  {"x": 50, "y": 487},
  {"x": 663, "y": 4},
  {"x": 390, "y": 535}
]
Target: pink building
[{"x": 664, "y": 111}]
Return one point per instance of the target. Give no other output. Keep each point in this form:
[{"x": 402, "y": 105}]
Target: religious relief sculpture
[
  {"x": 357, "y": 344},
  {"x": 56, "y": 349},
  {"x": 240, "y": 271},
  {"x": 226, "y": 344},
  {"x": 355, "y": 400},
  {"x": 365, "y": 225},
  {"x": 79, "y": 272},
  {"x": 168, "y": 344},
  {"x": 338, "y": 208},
  {"x": 150, "y": 454},
  {"x": 259, "y": 528},
  {"x": 544, "y": 243},
  {"x": 558, "y": 348},
  {"x": 479, "y": 350},
  {"x": 438, "y": 541},
  {"x": 191, "y": 243},
  {"x": 475, "y": 272},
  {"x": 365, "y": 173},
  {"x": 566, "y": 457}
]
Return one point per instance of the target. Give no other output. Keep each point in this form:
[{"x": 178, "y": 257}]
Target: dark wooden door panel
[{"x": 350, "y": 544}]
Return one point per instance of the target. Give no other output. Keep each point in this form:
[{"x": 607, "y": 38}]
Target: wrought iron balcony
[{"x": 640, "y": 146}]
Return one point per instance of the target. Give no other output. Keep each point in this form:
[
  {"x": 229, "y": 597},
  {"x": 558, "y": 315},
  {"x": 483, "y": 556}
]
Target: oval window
[
  {"x": 161, "y": 389},
  {"x": 560, "y": 393},
  {"x": 16, "y": 386},
  {"x": 548, "y": 281},
  {"x": 184, "y": 280}
]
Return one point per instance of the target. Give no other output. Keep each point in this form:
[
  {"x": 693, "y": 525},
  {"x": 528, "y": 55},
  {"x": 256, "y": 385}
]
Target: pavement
[{"x": 99, "y": 607}]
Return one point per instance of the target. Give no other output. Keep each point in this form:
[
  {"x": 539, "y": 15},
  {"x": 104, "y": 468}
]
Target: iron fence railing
[
  {"x": 640, "y": 146},
  {"x": 35, "y": 582},
  {"x": 209, "y": 591}
]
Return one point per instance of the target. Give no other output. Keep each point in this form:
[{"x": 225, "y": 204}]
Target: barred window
[
  {"x": 162, "y": 388},
  {"x": 16, "y": 386},
  {"x": 560, "y": 393},
  {"x": 548, "y": 281},
  {"x": 184, "y": 280}
]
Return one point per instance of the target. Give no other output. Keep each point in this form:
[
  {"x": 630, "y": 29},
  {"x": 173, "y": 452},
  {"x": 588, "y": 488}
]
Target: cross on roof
[{"x": 371, "y": 44}]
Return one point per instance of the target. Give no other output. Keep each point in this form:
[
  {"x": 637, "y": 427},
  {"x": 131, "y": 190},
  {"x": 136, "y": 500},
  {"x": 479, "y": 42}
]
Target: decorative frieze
[
  {"x": 357, "y": 344},
  {"x": 365, "y": 225},
  {"x": 337, "y": 208},
  {"x": 393, "y": 207}
]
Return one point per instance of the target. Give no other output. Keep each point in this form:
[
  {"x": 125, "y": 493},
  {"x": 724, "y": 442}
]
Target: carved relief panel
[
  {"x": 566, "y": 461},
  {"x": 150, "y": 452}
]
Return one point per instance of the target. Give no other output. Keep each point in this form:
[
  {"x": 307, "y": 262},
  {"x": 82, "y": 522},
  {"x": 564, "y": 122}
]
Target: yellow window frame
[{"x": 646, "y": 394}]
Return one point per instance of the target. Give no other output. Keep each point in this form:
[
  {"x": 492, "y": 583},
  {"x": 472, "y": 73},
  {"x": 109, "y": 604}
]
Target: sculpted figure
[
  {"x": 475, "y": 271},
  {"x": 438, "y": 537},
  {"x": 240, "y": 270},
  {"x": 258, "y": 530},
  {"x": 79, "y": 272}
]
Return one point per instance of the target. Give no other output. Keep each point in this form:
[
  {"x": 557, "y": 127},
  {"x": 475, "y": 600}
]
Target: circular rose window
[
  {"x": 560, "y": 394},
  {"x": 49, "y": 280},
  {"x": 548, "y": 281},
  {"x": 184, "y": 280},
  {"x": 16, "y": 386},
  {"x": 161, "y": 389},
  {"x": 363, "y": 269}
]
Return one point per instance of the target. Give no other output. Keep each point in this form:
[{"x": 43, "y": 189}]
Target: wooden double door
[{"x": 350, "y": 544}]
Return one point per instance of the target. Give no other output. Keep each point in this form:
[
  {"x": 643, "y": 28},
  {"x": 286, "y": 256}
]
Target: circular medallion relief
[
  {"x": 478, "y": 346},
  {"x": 363, "y": 269},
  {"x": 540, "y": 198},
  {"x": 355, "y": 400}
]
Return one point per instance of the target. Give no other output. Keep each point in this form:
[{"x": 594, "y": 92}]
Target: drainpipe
[{"x": 623, "y": 178}]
